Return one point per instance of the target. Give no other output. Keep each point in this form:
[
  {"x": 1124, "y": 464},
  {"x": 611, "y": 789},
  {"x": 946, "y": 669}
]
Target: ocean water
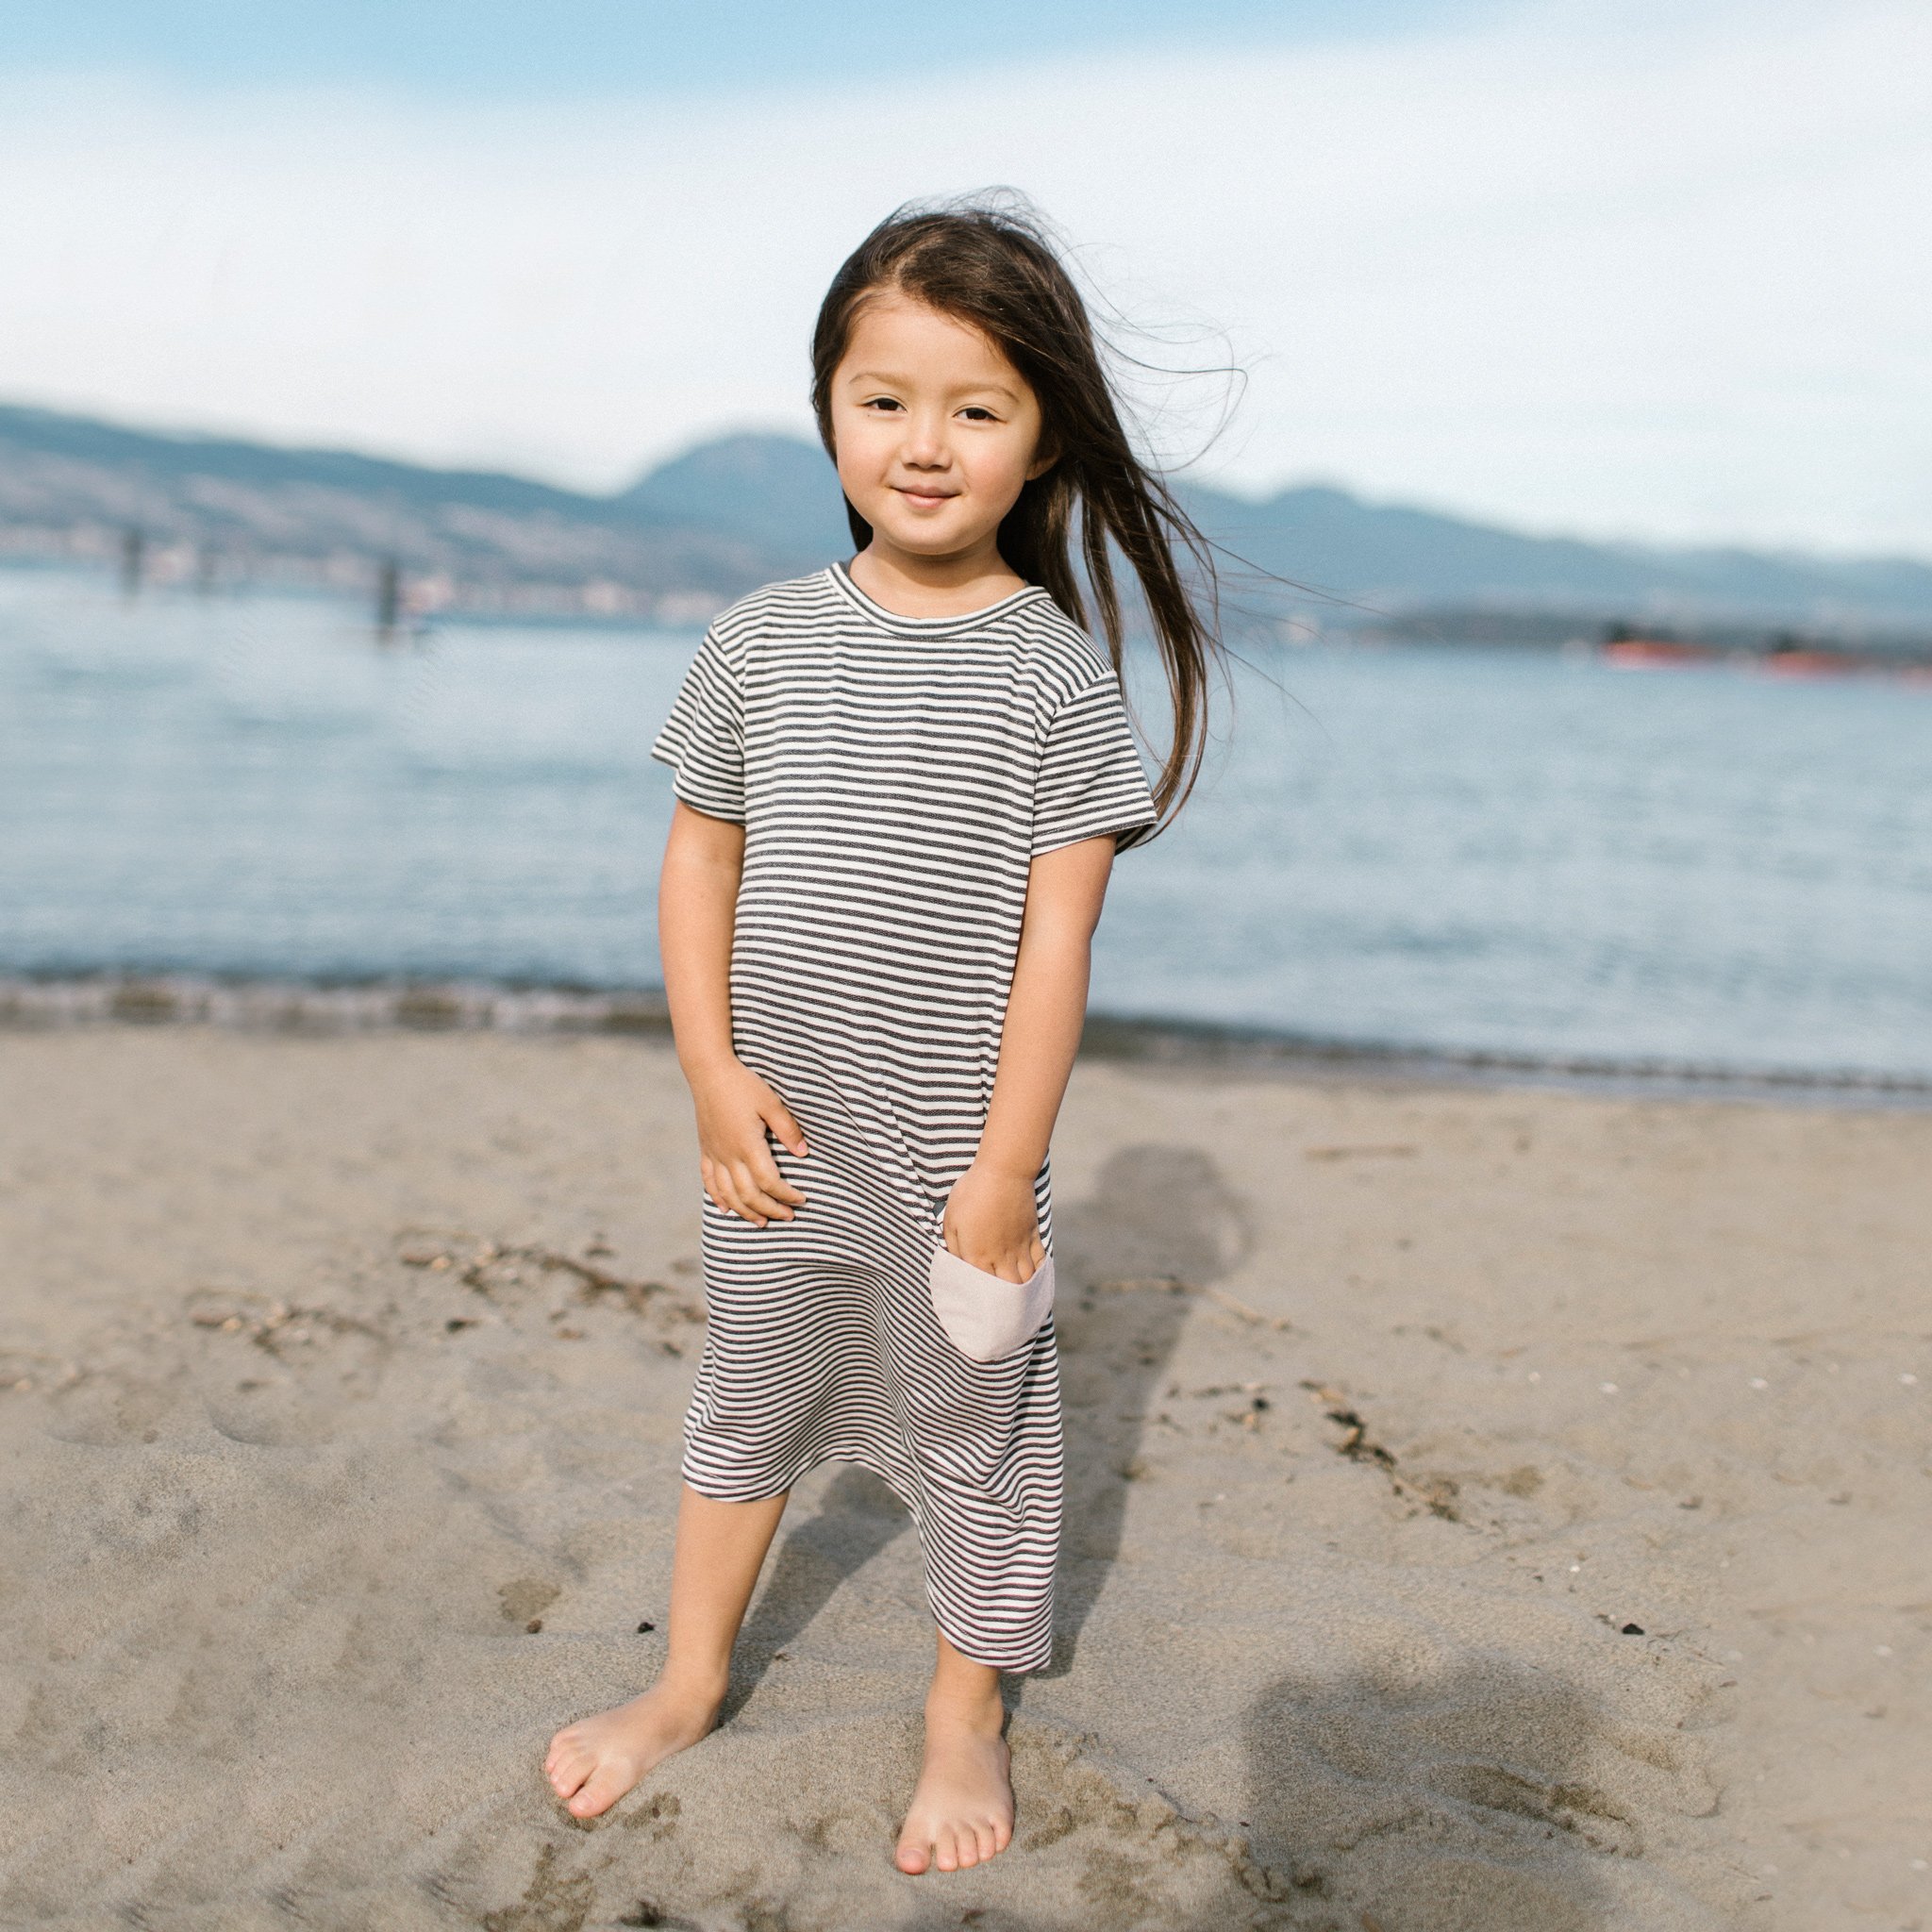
[{"x": 1440, "y": 849}]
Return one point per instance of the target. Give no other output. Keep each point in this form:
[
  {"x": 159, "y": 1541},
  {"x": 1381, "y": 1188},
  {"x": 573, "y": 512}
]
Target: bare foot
[
  {"x": 596, "y": 1760},
  {"x": 962, "y": 1812}
]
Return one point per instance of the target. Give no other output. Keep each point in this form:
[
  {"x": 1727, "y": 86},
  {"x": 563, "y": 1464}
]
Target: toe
[
  {"x": 984, "y": 1842},
  {"x": 946, "y": 1849},
  {"x": 602, "y": 1789},
  {"x": 915, "y": 1855}
]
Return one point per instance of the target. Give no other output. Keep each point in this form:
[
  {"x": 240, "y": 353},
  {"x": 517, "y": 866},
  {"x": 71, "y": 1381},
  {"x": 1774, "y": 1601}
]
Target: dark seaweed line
[
  {"x": 1145, "y": 1039},
  {"x": 33, "y": 1003}
]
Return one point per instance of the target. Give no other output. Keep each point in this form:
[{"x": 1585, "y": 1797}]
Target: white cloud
[{"x": 1666, "y": 279}]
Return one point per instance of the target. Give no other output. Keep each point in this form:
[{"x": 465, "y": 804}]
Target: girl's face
[{"x": 936, "y": 432}]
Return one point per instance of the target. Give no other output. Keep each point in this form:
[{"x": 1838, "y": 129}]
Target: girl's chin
[
  {"x": 908, "y": 513},
  {"x": 924, "y": 535}
]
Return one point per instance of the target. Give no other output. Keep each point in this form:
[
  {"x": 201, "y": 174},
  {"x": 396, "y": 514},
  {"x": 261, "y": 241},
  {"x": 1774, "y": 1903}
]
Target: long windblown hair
[{"x": 994, "y": 268}]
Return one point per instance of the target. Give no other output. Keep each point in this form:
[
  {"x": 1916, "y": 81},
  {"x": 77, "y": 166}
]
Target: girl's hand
[
  {"x": 993, "y": 1223},
  {"x": 737, "y": 1111}
]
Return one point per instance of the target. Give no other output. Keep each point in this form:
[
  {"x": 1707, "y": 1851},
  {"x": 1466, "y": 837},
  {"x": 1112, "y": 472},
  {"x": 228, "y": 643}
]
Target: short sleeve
[
  {"x": 703, "y": 739},
  {"x": 1090, "y": 782}
]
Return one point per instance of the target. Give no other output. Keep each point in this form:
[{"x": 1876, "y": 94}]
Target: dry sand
[{"x": 333, "y": 1491}]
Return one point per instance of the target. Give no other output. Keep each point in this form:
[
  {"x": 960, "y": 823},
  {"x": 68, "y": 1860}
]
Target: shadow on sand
[
  {"x": 857, "y": 1517},
  {"x": 1160, "y": 1220},
  {"x": 1484, "y": 1795}
]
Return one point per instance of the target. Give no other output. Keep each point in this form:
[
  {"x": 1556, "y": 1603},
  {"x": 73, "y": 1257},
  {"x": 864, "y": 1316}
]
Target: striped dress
[{"x": 896, "y": 777}]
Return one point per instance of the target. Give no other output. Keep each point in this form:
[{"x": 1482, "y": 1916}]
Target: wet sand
[{"x": 1489, "y": 1509}]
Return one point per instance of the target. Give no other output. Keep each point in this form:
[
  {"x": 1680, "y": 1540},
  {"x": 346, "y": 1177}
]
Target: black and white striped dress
[{"x": 896, "y": 777}]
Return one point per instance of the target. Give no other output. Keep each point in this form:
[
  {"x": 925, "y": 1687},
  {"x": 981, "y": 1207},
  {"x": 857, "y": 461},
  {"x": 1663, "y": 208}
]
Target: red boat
[
  {"x": 1803, "y": 663},
  {"x": 1656, "y": 654}
]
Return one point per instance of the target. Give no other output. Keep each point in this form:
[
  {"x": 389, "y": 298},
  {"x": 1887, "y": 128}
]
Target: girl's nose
[{"x": 925, "y": 447}]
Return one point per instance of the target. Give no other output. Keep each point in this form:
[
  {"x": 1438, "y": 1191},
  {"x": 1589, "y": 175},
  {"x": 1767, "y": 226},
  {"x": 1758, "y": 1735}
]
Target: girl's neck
[{"x": 909, "y": 585}]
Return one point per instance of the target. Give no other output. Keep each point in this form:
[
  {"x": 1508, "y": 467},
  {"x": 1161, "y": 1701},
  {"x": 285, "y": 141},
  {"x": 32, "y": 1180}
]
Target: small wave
[{"x": 452, "y": 1006}]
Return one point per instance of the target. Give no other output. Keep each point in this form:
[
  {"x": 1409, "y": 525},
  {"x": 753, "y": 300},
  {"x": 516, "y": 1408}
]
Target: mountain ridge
[{"x": 737, "y": 511}]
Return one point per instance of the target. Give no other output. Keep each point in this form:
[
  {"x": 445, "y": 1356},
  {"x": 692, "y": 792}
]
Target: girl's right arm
[{"x": 697, "y": 902}]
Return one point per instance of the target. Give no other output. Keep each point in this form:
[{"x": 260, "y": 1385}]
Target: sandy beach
[{"x": 1490, "y": 1510}]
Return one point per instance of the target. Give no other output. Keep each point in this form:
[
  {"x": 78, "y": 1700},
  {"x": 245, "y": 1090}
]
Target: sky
[{"x": 1627, "y": 270}]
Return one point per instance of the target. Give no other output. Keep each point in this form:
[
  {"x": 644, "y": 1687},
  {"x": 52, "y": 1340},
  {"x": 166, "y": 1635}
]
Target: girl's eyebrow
[{"x": 861, "y": 378}]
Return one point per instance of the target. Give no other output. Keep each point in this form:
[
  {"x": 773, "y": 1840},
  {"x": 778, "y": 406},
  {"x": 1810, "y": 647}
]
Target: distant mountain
[
  {"x": 1395, "y": 557},
  {"x": 739, "y": 512},
  {"x": 73, "y": 487},
  {"x": 774, "y": 492}
]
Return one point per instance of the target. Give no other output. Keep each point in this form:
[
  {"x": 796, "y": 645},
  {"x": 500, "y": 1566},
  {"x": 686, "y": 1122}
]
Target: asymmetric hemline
[{"x": 896, "y": 777}]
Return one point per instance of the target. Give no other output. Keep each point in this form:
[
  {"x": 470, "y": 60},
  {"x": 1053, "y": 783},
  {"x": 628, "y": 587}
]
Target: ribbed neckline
[{"x": 927, "y": 626}]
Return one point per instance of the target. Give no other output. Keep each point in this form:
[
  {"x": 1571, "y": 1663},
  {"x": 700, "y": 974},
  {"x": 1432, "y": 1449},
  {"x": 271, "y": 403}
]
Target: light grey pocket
[{"x": 987, "y": 1318}]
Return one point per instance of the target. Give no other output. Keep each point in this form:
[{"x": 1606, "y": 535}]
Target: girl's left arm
[{"x": 991, "y": 1218}]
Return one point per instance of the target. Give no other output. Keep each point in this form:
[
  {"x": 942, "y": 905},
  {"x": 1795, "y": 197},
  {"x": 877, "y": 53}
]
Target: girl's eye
[
  {"x": 882, "y": 402},
  {"x": 974, "y": 413}
]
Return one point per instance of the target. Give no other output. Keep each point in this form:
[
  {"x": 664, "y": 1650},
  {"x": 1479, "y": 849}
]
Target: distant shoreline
[
  {"x": 1764, "y": 642},
  {"x": 323, "y": 1006},
  {"x": 156, "y": 510}
]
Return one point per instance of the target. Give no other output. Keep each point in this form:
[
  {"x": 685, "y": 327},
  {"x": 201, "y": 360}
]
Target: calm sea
[{"x": 1443, "y": 849}]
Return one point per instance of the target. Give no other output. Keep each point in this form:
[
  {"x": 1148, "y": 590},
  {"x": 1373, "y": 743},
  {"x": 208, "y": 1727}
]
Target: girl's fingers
[
  {"x": 785, "y": 1130},
  {"x": 744, "y": 1180},
  {"x": 720, "y": 1184},
  {"x": 1015, "y": 1264},
  {"x": 771, "y": 1182},
  {"x": 1013, "y": 1268},
  {"x": 749, "y": 1188}
]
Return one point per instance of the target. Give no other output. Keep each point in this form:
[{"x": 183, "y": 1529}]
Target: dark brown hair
[{"x": 994, "y": 267}]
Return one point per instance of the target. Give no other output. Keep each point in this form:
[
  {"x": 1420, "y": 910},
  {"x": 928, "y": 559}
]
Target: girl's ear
[{"x": 1044, "y": 457}]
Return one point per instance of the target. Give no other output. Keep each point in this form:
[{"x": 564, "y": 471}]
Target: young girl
[{"x": 900, "y": 786}]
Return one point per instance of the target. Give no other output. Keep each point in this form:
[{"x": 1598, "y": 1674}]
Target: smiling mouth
[{"x": 926, "y": 496}]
